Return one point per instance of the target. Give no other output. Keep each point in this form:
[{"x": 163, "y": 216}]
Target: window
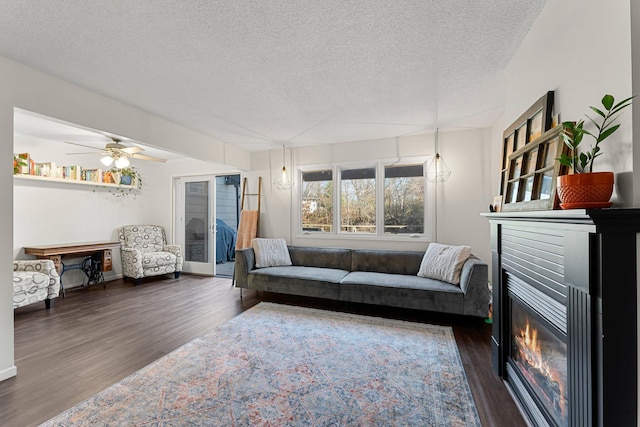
[
  {"x": 403, "y": 199},
  {"x": 317, "y": 201},
  {"x": 358, "y": 200},
  {"x": 382, "y": 200}
]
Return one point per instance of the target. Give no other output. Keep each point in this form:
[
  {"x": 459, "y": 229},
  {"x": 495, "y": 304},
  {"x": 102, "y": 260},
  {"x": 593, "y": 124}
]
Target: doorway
[{"x": 207, "y": 215}]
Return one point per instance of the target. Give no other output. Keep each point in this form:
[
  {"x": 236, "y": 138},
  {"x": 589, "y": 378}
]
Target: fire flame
[{"x": 530, "y": 352}]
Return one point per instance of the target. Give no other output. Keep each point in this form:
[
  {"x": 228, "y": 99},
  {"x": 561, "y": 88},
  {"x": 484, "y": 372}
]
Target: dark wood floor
[{"x": 96, "y": 337}]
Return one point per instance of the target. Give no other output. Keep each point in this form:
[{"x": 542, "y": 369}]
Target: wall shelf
[{"x": 71, "y": 181}]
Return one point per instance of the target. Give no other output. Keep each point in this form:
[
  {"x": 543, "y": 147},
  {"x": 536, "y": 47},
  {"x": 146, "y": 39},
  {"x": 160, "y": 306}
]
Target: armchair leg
[
  {"x": 48, "y": 303},
  {"x": 138, "y": 281},
  {"x": 177, "y": 274}
]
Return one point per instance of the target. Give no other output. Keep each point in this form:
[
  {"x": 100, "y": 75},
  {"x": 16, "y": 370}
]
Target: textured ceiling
[{"x": 262, "y": 73}]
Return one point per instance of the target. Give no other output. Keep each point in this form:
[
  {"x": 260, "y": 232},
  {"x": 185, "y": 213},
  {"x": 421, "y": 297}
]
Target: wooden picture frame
[
  {"x": 532, "y": 173},
  {"x": 527, "y": 128}
]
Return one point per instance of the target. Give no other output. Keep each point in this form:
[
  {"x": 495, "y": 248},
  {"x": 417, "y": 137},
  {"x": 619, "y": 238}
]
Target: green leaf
[
  {"x": 594, "y": 123},
  {"x": 624, "y": 101},
  {"x": 620, "y": 108},
  {"x": 597, "y": 111},
  {"x": 607, "y": 101},
  {"x": 565, "y": 160},
  {"x": 604, "y": 135}
]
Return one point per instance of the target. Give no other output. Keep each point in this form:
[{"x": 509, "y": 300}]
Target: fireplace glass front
[{"x": 541, "y": 359}]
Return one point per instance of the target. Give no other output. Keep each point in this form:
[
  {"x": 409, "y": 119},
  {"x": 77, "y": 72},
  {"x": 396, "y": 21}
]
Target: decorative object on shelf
[
  {"x": 438, "y": 171},
  {"x": 129, "y": 179},
  {"x": 530, "y": 125},
  {"x": 532, "y": 172},
  {"x": 585, "y": 188},
  {"x": 19, "y": 163},
  {"x": 283, "y": 180}
]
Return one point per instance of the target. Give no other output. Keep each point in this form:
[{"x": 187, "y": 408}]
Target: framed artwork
[
  {"x": 526, "y": 129},
  {"x": 532, "y": 172}
]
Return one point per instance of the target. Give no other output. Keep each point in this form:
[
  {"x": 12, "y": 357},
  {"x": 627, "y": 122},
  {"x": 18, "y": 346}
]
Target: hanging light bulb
[
  {"x": 283, "y": 180},
  {"x": 122, "y": 162},
  {"x": 438, "y": 171},
  {"x": 107, "y": 160}
]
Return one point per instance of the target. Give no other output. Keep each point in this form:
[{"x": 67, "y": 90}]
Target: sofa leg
[
  {"x": 48, "y": 303},
  {"x": 177, "y": 273},
  {"x": 138, "y": 281}
]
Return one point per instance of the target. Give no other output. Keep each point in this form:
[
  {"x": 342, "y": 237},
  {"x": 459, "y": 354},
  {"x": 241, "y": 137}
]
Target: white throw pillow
[
  {"x": 444, "y": 262},
  {"x": 270, "y": 252}
]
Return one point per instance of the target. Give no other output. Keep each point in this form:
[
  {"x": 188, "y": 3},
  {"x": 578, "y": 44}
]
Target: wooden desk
[{"x": 56, "y": 252}]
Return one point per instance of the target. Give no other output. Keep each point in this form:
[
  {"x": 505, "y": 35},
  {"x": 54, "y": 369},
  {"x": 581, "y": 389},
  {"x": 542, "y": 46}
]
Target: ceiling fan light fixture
[
  {"x": 107, "y": 160},
  {"x": 122, "y": 162}
]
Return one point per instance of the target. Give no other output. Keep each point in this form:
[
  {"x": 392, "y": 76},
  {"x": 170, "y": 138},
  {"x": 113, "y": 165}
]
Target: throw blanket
[{"x": 247, "y": 229}]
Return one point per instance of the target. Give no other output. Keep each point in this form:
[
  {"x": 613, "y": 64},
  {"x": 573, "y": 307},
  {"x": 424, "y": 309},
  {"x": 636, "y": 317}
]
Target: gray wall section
[{"x": 227, "y": 201}]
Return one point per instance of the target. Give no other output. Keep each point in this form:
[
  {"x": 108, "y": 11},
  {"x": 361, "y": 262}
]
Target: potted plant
[
  {"x": 128, "y": 178},
  {"x": 585, "y": 188},
  {"x": 18, "y": 163}
]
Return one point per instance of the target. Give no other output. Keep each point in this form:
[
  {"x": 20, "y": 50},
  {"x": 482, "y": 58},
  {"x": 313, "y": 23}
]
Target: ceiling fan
[{"x": 118, "y": 153}]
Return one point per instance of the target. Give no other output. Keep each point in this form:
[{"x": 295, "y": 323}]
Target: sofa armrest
[
  {"x": 245, "y": 262},
  {"x": 474, "y": 282},
  {"x": 177, "y": 251},
  {"x": 44, "y": 266},
  {"x": 131, "y": 262}
]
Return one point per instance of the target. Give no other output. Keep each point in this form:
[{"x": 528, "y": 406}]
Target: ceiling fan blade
[
  {"x": 144, "y": 157},
  {"x": 85, "y": 146},
  {"x": 132, "y": 150}
]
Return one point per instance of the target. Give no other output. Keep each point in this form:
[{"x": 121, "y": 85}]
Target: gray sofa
[{"x": 369, "y": 276}]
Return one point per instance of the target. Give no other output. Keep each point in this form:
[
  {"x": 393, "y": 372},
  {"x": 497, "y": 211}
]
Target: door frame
[{"x": 178, "y": 182}]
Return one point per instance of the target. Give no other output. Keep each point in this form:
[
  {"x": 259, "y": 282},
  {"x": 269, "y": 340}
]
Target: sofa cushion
[
  {"x": 338, "y": 258},
  {"x": 402, "y": 291},
  {"x": 444, "y": 262},
  {"x": 307, "y": 281},
  {"x": 385, "y": 261},
  {"x": 270, "y": 252},
  {"x": 331, "y": 275},
  {"x": 398, "y": 281},
  {"x": 157, "y": 259}
]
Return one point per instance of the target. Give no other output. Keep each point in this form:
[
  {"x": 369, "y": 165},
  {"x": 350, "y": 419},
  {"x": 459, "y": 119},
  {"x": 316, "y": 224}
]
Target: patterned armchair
[
  {"x": 145, "y": 252},
  {"x": 34, "y": 281}
]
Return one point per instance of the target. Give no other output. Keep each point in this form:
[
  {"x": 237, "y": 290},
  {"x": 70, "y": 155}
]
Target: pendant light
[
  {"x": 437, "y": 171},
  {"x": 283, "y": 180}
]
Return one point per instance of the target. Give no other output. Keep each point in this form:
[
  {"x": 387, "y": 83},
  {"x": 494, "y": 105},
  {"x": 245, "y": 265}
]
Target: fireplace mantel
[{"x": 583, "y": 263}]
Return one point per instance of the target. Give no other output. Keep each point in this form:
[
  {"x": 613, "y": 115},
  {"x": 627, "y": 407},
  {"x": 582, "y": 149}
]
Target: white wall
[
  {"x": 25, "y": 88},
  {"x": 581, "y": 49},
  {"x": 460, "y": 200}
]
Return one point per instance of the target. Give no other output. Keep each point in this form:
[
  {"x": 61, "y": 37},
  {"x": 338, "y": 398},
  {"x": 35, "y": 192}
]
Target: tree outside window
[
  {"x": 317, "y": 201},
  {"x": 403, "y": 199},
  {"x": 358, "y": 200}
]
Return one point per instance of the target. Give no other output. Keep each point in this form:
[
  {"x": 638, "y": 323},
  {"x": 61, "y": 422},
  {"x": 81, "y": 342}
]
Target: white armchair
[
  {"x": 34, "y": 281},
  {"x": 144, "y": 252}
]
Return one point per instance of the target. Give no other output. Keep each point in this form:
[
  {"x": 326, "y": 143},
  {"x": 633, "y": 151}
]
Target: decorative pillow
[
  {"x": 444, "y": 262},
  {"x": 270, "y": 252}
]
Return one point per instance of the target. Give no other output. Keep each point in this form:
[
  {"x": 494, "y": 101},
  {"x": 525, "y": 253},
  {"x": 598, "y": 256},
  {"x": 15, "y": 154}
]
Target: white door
[{"x": 195, "y": 223}]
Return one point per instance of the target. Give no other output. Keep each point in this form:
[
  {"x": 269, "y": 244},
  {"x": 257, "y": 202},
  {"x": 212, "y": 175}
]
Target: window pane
[
  {"x": 403, "y": 199},
  {"x": 358, "y": 200},
  {"x": 196, "y": 205},
  {"x": 317, "y": 201}
]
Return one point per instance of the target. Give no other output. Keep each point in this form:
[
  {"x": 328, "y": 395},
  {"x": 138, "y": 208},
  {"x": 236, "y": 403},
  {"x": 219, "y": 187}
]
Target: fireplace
[
  {"x": 565, "y": 314},
  {"x": 538, "y": 356}
]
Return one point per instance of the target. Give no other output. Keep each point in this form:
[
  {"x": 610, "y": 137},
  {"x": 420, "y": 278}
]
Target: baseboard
[{"x": 8, "y": 373}]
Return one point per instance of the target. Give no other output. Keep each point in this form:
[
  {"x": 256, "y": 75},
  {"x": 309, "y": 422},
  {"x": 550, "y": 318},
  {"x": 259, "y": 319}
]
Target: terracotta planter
[{"x": 585, "y": 190}]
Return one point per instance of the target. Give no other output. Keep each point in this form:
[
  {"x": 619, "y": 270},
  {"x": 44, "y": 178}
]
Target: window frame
[{"x": 337, "y": 234}]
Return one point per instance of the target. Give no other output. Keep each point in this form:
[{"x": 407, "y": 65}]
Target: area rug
[{"x": 277, "y": 365}]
